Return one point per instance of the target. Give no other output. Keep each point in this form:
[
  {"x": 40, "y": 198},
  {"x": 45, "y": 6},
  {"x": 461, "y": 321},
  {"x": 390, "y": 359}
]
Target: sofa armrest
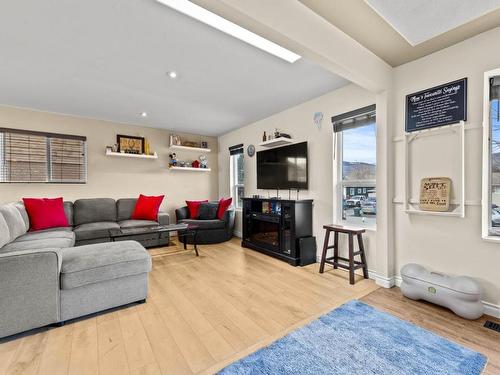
[
  {"x": 163, "y": 218},
  {"x": 29, "y": 289},
  {"x": 182, "y": 213},
  {"x": 228, "y": 218}
]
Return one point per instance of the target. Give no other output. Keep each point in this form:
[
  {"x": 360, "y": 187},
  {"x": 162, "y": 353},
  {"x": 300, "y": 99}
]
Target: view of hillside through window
[{"x": 359, "y": 203}]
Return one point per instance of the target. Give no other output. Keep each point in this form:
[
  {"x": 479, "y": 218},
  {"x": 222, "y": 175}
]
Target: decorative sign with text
[
  {"x": 438, "y": 106},
  {"x": 435, "y": 194}
]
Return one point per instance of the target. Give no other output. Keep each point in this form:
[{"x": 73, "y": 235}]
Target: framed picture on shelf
[
  {"x": 175, "y": 140},
  {"x": 130, "y": 144}
]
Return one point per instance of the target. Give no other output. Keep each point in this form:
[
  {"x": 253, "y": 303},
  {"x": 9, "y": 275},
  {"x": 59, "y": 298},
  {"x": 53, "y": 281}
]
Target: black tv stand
[{"x": 281, "y": 228}]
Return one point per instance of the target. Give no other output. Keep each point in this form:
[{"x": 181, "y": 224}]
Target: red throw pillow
[
  {"x": 146, "y": 208},
  {"x": 45, "y": 213},
  {"x": 193, "y": 207},
  {"x": 223, "y": 206}
]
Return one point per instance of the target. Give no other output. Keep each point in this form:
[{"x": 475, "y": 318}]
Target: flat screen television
[{"x": 283, "y": 167}]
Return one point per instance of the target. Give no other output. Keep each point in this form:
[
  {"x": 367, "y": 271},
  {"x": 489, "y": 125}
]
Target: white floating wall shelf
[
  {"x": 137, "y": 156},
  {"x": 190, "y": 169},
  {"x": 187, "y": 148},
  {"x": 275, "y": 142}
]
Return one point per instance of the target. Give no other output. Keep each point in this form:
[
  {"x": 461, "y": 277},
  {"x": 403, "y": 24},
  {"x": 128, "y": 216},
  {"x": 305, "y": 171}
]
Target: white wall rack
[{"x": 459, "y": 210}]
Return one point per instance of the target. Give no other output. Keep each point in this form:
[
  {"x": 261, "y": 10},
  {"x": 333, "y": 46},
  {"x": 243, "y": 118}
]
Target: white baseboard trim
[
  {"x": 388, "y": 282},
  {"x": 384, "y": 282},
  {"x": 238, "y": 234},
  {"x": 489, "y": 308}
]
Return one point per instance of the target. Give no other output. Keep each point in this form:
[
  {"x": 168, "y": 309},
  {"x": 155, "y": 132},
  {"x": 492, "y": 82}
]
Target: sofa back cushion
[
  {"x": 14, "y": 220},
  {"x": 94, "y": 210},
  {"x": 4, "y": 232},
  {"x": 208, "y": 211},
  {"x": 24, "y": 214},
  {"x": 124, "y": 208},
  {"x": 68, "y": 211}
]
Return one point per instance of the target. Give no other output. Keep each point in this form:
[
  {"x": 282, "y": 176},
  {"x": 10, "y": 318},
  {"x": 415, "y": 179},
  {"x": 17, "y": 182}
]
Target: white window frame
[
  {"x": 233, "y": 185},
  {"x": 341, "y": 183},
  {"x": 486, "y": 180}
]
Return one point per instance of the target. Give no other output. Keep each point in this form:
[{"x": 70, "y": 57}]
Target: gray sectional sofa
[
  {"x": 209, "y": 230},
  {"x": 58, "y": 274}
]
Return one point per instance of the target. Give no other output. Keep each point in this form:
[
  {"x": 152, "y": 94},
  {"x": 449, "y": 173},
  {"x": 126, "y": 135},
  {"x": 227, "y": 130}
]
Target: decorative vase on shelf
[{"x": 264, "y": 137}]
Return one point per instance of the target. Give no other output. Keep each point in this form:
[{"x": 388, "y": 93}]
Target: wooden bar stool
[{"x": 334, "y": 260}]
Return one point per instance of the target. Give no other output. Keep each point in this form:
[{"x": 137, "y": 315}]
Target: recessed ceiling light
[
  {"x": 144, "y": 114},
  {"x": 172, "y": 74},
  {"x": 201, "y": 14}
]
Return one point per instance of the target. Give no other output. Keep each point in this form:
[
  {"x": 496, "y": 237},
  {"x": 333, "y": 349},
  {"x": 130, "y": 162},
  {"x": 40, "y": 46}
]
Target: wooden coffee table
[{"x": 183, "y": 231}]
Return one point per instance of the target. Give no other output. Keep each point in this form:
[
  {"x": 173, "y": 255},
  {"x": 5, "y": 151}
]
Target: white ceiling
[
  {"x": 108, "y": 60},
  {"x": 420, "y": 20},
  {"x": 361, "y": 22}
]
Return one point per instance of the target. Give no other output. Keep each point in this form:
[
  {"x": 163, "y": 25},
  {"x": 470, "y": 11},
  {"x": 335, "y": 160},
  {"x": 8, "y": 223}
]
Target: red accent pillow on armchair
[
  {"x": 223, "y": 206},
  {"x": 45, "y": 213},
  {"x": 193, "y": 207},
  {"x": 147, "y": 207}
]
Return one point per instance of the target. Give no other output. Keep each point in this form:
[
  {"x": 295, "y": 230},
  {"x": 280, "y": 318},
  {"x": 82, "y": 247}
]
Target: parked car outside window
[
  {"x": 369, "y": 206},
  {"x": 355, "y": 201}
]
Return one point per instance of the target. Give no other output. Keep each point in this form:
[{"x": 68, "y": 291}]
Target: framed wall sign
[
  {"x": 438, "y": 106},
  {"x": 130, "y": 144}
]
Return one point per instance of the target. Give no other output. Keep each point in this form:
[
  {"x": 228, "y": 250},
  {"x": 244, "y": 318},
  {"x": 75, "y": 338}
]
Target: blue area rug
[{"x": 358, "y": 339}]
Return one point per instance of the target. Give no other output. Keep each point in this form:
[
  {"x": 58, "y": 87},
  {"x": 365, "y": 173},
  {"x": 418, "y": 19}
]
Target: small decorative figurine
[
  {"x": 173, "y": 159},
  {"x": 195, "y": 164},
  {"x": 203, "y": 161}
]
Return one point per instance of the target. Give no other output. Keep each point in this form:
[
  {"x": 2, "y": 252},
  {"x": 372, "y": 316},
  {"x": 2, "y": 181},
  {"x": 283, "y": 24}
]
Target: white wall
[
  {"x": 448, "y": 244},
  {"x": 114, "y": 177},
  {"x": 298, "y": 121}
]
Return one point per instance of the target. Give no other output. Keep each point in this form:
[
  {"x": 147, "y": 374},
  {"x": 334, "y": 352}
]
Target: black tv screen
[{"x": 283, "y": 167}]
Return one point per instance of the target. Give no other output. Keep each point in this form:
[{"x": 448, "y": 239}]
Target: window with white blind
[
  {"x": 29, "y": 156},
  {"x": 355, "y": 134}
]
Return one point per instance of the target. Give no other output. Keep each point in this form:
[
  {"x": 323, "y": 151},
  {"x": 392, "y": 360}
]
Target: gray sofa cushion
[
  {"x": 14, "y": 220},
  {"x": 94, "y": 210},
  {"x": 124, "y": 208},
  {"x": 91, "y": 231},
  {"x": 4, "y": 232},
  {"x": 68, "y": 210},
  {"x": 101, "y": 262},
  {"x": 47, "y": 243},
  {"x": 137, "y": 223},
  {"x": 63, "y": 232},
  {"x": 24, "y": 214},
  {"x": 205, "y": 224},
  {"x": 208, "y": 211}
]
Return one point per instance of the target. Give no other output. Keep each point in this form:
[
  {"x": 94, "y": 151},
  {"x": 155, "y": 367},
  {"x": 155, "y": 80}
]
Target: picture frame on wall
[{"x": 129, "y": 144}]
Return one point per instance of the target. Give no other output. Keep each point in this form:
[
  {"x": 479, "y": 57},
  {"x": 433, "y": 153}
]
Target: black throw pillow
[{"x": 208, "y": 211}]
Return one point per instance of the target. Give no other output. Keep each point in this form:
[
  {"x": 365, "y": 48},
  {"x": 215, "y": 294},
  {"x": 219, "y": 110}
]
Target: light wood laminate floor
[
  {"x": 205, "y": 312},
  {"x": 443, "y": 322},
  {"x": 202, "y": 313}
]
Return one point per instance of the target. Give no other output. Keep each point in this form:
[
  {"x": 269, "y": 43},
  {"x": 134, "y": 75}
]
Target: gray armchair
[{"x": 209, "y": 231}]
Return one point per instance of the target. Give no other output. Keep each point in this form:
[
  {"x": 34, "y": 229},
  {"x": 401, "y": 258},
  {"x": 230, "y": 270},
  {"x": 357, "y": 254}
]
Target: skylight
[{"x": 201, "y": 14}]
